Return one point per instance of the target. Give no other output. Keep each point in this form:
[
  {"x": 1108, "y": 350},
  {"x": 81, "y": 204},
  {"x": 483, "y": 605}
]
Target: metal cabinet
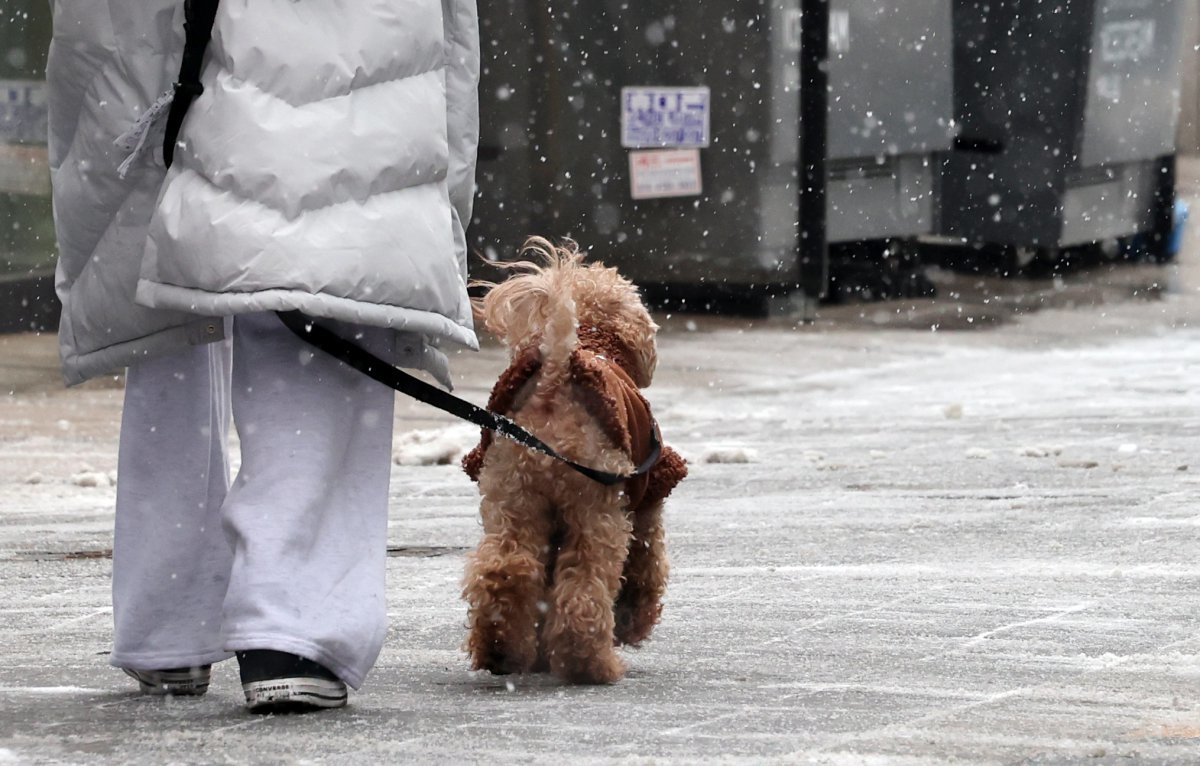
[
  {"x": 1068, "y": 113},
  {"x": 552, "y": 160}
]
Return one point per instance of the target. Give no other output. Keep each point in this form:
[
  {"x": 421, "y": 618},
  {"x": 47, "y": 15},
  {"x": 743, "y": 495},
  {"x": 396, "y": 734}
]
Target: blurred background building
[
  {"x": 664, "y": 136},
  {"x": 27, "y": 246},
  {"x": 1023, "y": 137}
]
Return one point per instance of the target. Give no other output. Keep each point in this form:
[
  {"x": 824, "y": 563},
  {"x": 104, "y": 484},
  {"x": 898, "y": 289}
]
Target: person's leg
[
  {"x": 307, "y": 513},
  {"x": 171, "y": 558}
]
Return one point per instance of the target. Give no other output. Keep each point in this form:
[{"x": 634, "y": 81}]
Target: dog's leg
[
  {"x": 587, "y": 574},
  {"x": 505, "y": 582},
  {"x": 640, "y": 603}
]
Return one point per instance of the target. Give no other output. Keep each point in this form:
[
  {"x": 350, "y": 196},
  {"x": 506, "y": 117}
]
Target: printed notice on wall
[
  {"x": 664, "y": 117},
  {"x": 1127, "y": 40},
  {"x": 665, "y": 173}
]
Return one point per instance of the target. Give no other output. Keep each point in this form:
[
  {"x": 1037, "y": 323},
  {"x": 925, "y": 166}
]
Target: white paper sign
[
  {"x": 664, "y": 117},
  {"x": 665, "y": 173},
  {"x": 1127, "y": 40}
]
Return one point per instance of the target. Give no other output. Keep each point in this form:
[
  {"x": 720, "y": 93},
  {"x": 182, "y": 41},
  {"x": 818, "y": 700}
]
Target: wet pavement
[{"x": 961, "y": 530}]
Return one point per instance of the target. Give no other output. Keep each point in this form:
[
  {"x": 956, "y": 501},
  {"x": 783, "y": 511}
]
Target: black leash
[
  {"x": 377, "y": 369},
  {"x": 199, "y": 16}
]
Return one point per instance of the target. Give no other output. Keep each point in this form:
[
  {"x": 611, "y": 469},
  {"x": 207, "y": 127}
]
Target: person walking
[{"x": 327, "y": 167}]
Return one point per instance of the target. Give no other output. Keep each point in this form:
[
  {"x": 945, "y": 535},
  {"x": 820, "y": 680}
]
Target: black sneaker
[
  {"x": 183, "y": 682},
  {"x": 278, "y": 682}
]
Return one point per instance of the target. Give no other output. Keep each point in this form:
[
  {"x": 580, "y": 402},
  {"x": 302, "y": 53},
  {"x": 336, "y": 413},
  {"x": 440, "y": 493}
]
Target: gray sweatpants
[{"x": 292, "y": 555}]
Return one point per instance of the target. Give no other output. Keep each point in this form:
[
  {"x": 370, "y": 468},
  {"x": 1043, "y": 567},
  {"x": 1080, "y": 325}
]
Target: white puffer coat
[{"x": 327, "y": 167}]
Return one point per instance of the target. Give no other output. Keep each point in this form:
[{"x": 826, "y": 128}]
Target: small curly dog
[{"x": 568, "y": 568}]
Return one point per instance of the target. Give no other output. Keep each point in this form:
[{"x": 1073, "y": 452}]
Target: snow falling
[{"x": 942, "y": 437}]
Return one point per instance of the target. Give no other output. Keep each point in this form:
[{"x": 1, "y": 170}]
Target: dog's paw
[
  {"x": 634, "y": 625},
  {"x": 603, "y": 668},
  {"x": 498, "y": 656}
]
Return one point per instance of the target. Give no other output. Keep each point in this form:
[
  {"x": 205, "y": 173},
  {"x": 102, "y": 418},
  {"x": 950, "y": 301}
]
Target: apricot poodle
[{"x": 568, "y": 568}]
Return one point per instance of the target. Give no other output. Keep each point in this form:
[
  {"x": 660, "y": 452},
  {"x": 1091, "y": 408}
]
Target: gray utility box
[
  {"x": 891, "y": 105},
  {"x": 557, "y": 158},
  {"x": 1071, "y": 107}
]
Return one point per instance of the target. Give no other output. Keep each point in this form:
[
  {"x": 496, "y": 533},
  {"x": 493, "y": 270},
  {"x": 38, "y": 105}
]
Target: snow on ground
[
  {"x": 439, "y": 446},
  {"x": 896, "y": 547}
]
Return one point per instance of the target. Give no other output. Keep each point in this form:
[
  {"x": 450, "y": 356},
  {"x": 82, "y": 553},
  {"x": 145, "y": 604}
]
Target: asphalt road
[{"x": 907, "y": 539}]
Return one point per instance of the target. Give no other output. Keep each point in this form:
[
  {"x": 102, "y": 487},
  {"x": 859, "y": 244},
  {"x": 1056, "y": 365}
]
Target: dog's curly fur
[{"x": 568, "y": 568}]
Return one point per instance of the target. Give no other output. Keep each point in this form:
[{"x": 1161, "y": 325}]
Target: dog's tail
[{"x": 537, "y": 305}]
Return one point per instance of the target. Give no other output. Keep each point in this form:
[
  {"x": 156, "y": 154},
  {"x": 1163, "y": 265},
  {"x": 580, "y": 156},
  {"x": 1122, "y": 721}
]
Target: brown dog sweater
[{"x": 600, "y": 379}]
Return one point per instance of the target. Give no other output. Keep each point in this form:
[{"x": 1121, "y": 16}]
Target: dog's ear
[
  {"x": 648, "y": 357},
  {"x": 641, "y": 332},
  {"x": 640, "y": 337},
  {"x": 613, "y": 302}
]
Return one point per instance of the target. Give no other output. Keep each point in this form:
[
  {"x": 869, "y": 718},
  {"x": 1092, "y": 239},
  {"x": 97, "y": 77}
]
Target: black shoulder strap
[
  {"x": 198, "y": 16},
  {"x": 377, "y": 369}
]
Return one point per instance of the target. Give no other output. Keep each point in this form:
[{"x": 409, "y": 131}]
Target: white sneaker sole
[
  {"x": 163, "y": 683},
  {"x": 294, "y": 693}
]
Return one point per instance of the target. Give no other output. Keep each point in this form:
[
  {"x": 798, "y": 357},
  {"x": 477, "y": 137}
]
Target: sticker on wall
[
  {"x": 1127, "y": 40},
  {"x": 664, "y": 117},
  {"x": 665, "y": 173}
]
